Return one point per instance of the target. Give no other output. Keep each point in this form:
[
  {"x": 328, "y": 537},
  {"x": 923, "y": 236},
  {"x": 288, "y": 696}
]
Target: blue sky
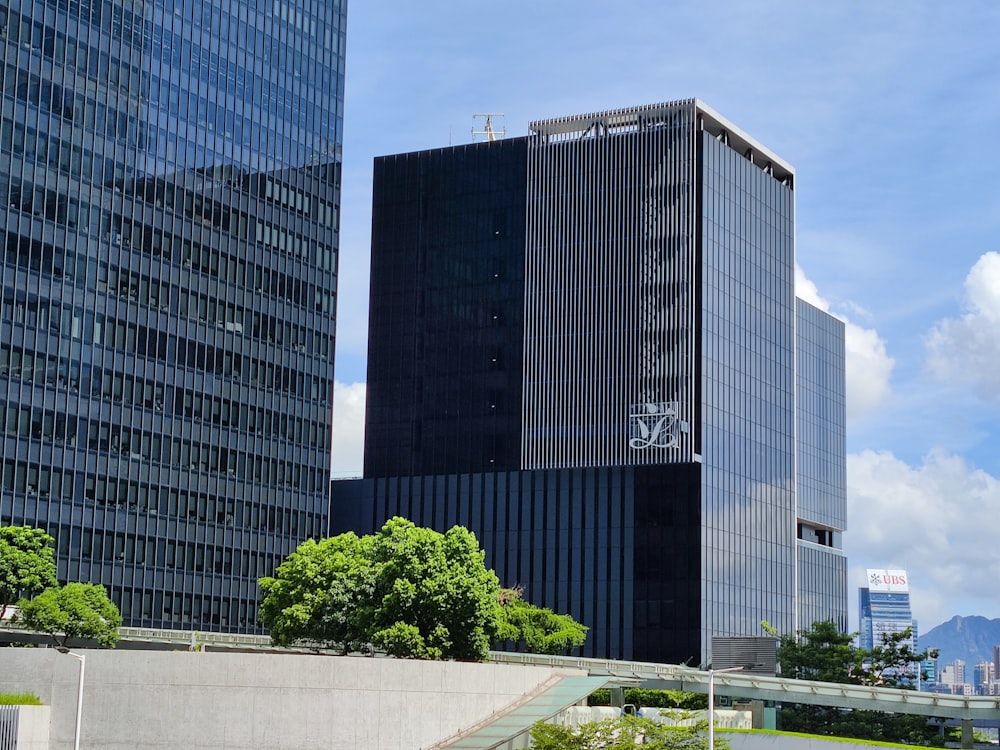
[{"x": 890, "y": 112}]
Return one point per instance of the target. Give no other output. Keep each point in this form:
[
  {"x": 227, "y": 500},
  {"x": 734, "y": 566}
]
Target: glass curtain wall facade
[
  {"x": 885, "y": 608},
  {"x": 822, "y": 466},
  {"x": 657, "y": 379},
  {"x": 747, "y": 420},
  {"x": 172, "y": 174}
]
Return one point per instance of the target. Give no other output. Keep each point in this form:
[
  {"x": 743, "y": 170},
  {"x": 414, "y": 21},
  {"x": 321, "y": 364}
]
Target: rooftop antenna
[{"x": 488, "y": 133}]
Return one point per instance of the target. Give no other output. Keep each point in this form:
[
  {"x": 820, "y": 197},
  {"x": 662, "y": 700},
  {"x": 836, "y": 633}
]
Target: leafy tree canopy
[
  {"x": 623, "y": 733},
  {"x": 27, "y": 563},
  {"x": 893, "y": 662},
  {"x": 410, "y": 591},
  {"x": 76, "y": 610},
  {"x": 434, "y": 597},
  {"x": 822, "y": 652},
  {"x": 537, "y": 629},
  {"x": 322, "y": 593}
]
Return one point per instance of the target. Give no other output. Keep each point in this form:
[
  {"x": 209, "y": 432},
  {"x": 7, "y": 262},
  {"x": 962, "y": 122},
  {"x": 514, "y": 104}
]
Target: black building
[
  {"x": 172, "y": 183},
  {"x": 584, "y": 346}
]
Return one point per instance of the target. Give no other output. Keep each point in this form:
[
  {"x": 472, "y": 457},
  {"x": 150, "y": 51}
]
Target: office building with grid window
[
  {"x": 171, "y": 174},
  {"x": 586, "y": 347},
  {"x": 884, "y": 608}
]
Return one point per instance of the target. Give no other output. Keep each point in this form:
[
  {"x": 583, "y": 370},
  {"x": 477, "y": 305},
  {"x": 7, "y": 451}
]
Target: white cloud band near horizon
[{"x": 966, "y": 349}]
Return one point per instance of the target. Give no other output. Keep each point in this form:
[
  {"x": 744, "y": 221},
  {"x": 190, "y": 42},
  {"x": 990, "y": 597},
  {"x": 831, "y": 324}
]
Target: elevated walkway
[{"x": 983, "y": 710}]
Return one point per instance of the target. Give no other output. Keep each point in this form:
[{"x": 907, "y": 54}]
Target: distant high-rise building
[
  {"x": 959, "y": 667},
  {"x": 585, "y": 346},
  {"x": 884, "y": 607},
  {"x": 982, "y": 677},
  {"x": 171, "y": 182},
  {"x": 928, "y": 672}
]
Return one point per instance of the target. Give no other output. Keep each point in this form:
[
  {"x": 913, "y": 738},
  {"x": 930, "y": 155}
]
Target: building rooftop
[{"x": 633, "y": 119}]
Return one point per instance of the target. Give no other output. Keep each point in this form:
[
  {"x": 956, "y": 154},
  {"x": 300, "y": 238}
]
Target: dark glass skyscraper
[
  {"x": 584, "y": 345},
  {"x": 172, "y": 178}
]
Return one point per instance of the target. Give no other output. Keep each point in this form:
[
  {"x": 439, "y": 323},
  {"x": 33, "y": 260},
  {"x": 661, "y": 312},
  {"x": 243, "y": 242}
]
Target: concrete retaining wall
[{"x": 138, "y": 700}]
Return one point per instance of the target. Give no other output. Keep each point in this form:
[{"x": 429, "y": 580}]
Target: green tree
[
  {"x": 434, "y": 596},
  {"x": 410, "y": 591},
  {"x": 27, "y": 563},
  {"x": 322, "y": 593},
  {"x": 76, "y": 610},
  {"x": 537, "y": 629},
  {"x": 623, "y": 733},
  {"x": 893, "y": 662},
  {"x": 821, "y": 653}
]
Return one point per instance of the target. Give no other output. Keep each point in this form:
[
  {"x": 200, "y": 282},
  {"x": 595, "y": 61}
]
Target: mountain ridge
[{"x": 970, "y": 638}]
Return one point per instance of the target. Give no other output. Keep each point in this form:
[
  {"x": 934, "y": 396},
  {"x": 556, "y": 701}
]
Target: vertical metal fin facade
[
  {"x": 609, "y": 289},
  {"x": 8, "y": 727}
]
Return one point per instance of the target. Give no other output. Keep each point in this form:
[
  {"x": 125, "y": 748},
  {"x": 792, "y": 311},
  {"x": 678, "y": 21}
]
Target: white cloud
[
  {"x": 348, "y": 429},
  {"x": 967, "y": 349},
  {"x": 869, "y": 366},
  {"x": 932, "y": 520}
]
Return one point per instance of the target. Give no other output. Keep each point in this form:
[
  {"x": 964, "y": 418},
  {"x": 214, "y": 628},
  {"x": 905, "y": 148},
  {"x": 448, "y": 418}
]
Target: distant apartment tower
[
  {"x": 982, "y": 677},
  {"x": 171, "y": 182},
  {"x": 884, "y": 608},
  {"x": 586, "y": 347}
]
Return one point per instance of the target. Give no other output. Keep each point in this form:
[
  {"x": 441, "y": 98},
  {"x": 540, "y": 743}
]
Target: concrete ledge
[{"x": 138, "y": 700}]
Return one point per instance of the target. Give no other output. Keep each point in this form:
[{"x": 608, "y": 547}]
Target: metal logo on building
[{"x": 654, "y": 425}]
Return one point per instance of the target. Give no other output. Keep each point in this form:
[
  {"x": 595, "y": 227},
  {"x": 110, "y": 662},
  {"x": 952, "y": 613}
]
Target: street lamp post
[
  {"x": 79, "y": 695},
  {"x": 711, "y": 701}
]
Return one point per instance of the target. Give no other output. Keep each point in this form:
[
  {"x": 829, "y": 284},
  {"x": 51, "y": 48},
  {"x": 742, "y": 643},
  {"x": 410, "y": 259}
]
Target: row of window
[
  {"x": 46, "y": 204},
  {"x": 212, "y": 260},
  {"x": 208, "y": 65},
  {"x": 144, "y": 608},
  {"x": 202, "y": 407},
  {"x": 74, "y": 160},
  {"x": 169, "y": 554},
  {"x": 82, "y": 163},
  {"x": 33, "y": 481},
  {"x": 134, "y": 443},
  {"x": 148, "y": 342},
  {"x": 61, "y": 209},
  {"x": 204, "y": 613},
  {"x": 65, "y": 103},
  {"x": 236, "y": 77},
  {"x": 67, "y": 51},
  {"x": 161, "y": 192},
  {"x": 109, "y": 15},
  {"x": 59, "y": 428}
]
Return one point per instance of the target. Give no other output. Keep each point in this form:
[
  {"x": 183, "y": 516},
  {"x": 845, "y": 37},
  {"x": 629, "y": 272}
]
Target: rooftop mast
[{"x": 487, "y": 132}]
